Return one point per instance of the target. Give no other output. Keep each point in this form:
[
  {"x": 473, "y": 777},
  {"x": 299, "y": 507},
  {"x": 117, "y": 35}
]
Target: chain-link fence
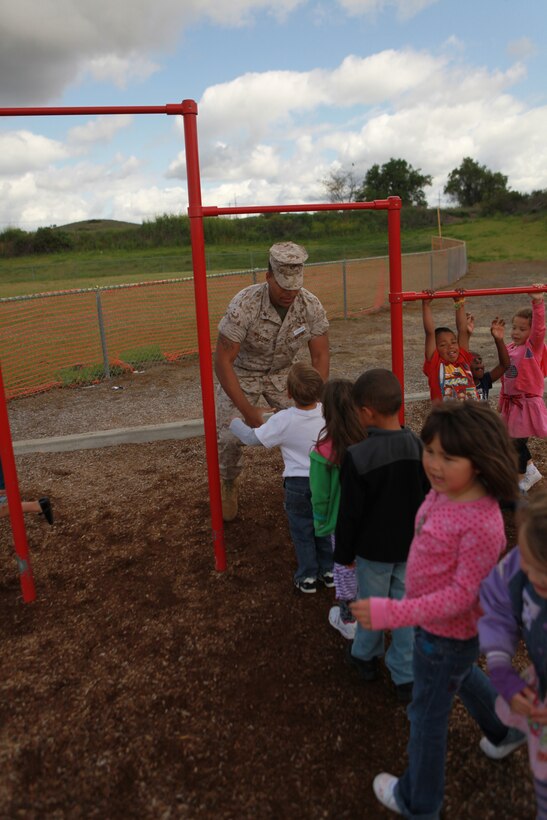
[{"x": 82, "y": 336}]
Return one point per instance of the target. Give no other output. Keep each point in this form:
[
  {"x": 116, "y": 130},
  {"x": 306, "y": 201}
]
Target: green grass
[
  {"x": 35, "y": 274},
  {"x": 77, "y": 375},
  {"x": 510, "y": 237},
  {"x": 89, "y": 269},
  {"x": 488, "y": 239},
  {"x": 141, "y": 355}
]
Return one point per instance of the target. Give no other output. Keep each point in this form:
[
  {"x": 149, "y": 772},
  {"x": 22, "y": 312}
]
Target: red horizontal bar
[
  {"x": 413, "y": 296},
  {"x": 174, "y": 108},
  {"x": 378, "y": 204}
]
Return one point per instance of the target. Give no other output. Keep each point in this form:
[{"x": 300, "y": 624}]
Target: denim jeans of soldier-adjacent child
[
  {"x": 443, "y": 667},
  {"x": 376, "y": 579},
  {"x": 313, "y": 554}
]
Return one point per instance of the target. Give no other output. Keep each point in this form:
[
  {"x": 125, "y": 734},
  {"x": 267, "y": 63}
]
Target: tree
[
  {"x": 395, "y": 178},
  {"x": 341, "y": 186},
  {"x": 471, "y": 183}
]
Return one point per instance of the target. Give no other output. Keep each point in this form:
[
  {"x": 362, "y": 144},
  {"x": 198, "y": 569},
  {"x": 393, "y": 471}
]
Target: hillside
[{"x": 98, "y": 225}]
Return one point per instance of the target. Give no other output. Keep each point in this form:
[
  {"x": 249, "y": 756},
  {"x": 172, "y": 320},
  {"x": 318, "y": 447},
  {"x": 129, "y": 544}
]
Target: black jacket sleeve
[{"x": 349, "y": 514}]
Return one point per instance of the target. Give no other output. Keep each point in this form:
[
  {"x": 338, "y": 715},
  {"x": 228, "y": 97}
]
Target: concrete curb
[
  {"x": 109, "y": 438},
  {"x": 192, "y": 428}
]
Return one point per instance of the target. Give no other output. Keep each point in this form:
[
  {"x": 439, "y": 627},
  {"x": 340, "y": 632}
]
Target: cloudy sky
[{"x": 287, "y": 90}]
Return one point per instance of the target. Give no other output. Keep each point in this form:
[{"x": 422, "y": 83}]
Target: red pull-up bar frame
[{"x": 196, "y": 212}]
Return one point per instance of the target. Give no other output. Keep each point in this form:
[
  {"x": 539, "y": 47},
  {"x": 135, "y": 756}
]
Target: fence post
[
  {"x": 344, "y": 289},
  {"x": 431, "y": 270},
  {"x": 103, "y": 335}
]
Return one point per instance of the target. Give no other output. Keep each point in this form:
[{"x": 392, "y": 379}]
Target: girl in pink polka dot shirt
[{"x": 459, "y": 536}]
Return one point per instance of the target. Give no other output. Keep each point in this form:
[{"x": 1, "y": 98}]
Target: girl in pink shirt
[
  {"x": 459, "y": 536},
  {"x": 522, "y": 386}
]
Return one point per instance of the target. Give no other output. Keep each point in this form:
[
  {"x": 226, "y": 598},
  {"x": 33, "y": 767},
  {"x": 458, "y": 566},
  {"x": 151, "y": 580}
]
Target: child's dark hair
[
  {"x": 342, "y": 425},
  {"x": 378, "y": 389},
  {"x": 304, "y": 384},
  {"x": 524, "y": 313},
  {"x": 473, "y": 430},
  {"x": 439, "y": 330},
  {"x": 532, "y": 520}
]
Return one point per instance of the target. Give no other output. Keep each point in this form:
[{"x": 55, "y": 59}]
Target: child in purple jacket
[{"x": 514, "y": 601}]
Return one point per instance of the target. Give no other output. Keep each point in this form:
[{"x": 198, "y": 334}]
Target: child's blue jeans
[
  {"x": 443, "y": 667},
  {"x": 377, "y": 579},
  {"x": 314, "y": 555}
]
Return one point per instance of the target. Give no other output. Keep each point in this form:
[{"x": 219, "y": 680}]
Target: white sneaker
[
  {"x": 501, "y": 751},
  {"x": 533, "y": 472},
  {"x": 383, "y": 786},
  {"x": 348, "y": 630},
  {"x": 531, "y": 477}
]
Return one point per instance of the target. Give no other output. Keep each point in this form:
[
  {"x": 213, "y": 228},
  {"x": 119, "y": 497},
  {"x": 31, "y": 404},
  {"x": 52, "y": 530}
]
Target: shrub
[{"x": 51, "y": 240}]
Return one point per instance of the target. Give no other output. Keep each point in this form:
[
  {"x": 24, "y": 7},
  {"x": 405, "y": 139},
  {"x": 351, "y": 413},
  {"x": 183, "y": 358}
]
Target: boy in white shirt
[{"x": 295, "y": 432}]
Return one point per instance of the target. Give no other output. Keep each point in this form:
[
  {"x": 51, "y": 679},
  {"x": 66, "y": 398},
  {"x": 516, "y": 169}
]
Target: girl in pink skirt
[{"x": 521, "y": 398}]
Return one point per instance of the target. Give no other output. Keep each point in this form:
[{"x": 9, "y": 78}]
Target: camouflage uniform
[{"x": 268, "y": 347}]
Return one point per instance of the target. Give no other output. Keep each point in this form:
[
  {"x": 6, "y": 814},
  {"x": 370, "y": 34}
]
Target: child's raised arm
[
  {"x": 537, "y": 334},
  {"x": 429, "y": 326},
  {"x": 462, "y": 322},
  {"x": 497, "y": 329},
  {"x": 537, "y": 295}
]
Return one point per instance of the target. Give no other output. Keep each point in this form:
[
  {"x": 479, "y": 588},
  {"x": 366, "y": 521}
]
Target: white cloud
[
  {"x": 46, "y": 44},
  {"x": 241, "y": 12},
  {"x": 147, "y": 203},
  {"x": 381, "y": 77},
  {"x": 99, "y": 129},
  {"x": 404, "y": 8},
  {"x": 58, "y": 194},
  {"x": 120, "y": 70},
  {"x": 26, "y": 204},
  {"x": 271, "y": 137},
  {"x": 21, "y": 151},
  {"x": 222, "y": 161},
  {"x": 429, "y": 110},
  {"x": 278, "y": 95}
]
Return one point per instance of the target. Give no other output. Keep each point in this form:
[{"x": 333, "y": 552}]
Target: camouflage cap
[{"x": 287, "y": 262}]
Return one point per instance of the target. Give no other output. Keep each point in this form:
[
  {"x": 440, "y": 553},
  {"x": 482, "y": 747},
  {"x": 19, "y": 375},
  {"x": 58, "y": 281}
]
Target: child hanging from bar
[{"x": 447, "y": 358}]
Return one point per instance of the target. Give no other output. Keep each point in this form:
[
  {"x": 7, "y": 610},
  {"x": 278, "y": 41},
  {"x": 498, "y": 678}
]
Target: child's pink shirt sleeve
[
  {"x": 378, "y": 612},
  {"x": 537, "y": 333}
]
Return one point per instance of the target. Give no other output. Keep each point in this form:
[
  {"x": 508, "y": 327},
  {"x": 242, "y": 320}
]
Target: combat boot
[{"x": 228, "y": 492}]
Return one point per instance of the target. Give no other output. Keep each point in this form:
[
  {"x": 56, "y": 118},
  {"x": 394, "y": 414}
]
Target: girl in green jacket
[{"x": 342, "y": 428}]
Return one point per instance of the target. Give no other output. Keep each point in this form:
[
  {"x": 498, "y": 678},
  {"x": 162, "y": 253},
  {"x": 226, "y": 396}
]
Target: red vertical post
[
  {"x": 190, "y": 111},
  {"x": 395, "y": 292},
  {"x": 14, "y": 501}
]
